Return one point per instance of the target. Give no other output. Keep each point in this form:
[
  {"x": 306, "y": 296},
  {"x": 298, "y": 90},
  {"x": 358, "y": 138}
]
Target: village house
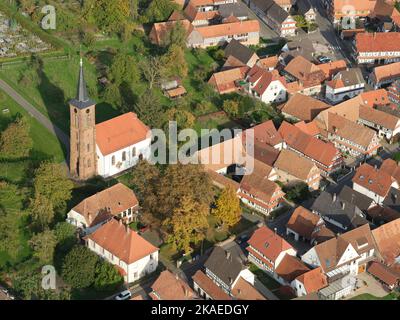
[
  {"x": 380, "y": 215},
  {"x": 309, "y": 77},
  {"x": 377, "y": 48},
  {"x": 385, "y": 275},
  {"x": 352, "y": 138},
  {"x": 268, "y": 63},
  {"x": 348, "y": 254},
  {"x": 247, "y": 32},
  {"x": 107, "y": 148},
  {"x": 117, "y": 201},
  {"x": 130, "y": 253},
  {"x": 169, "y": 286},
  {"x": 225, "y": 274},
  {"x": 338, "y": 212},
  {"x": 238, "y": 55},
  {"x": 332, "y": 68},
  {"x": 266, "y": 133},
  {"x": 391, "y": 167},
  {"x": 160, "y": 30},
  {"x": 345, "y": 85},
  {"x": 267, "y": 86},
  {"x": 304, "y": 224},
  {"x": 387, "y": 240},
  {"x": 228, "y": 81},
  {"x": 291, "y": 168},
  {"x": 354, "y": 197},
  {"x": 373, "y": 183},
  {"x": 394, "y": 93},
  {"x": 274, "y": 16},
  {"x": 384, "y": 75},
  {"x": 385, "y": 124},
  {"x": 303, "y": 108},
  {"x": 258, "y": 191},
  {"x": 267, "y": 250},
  {"x": 323, "y": 154},
  {"x": 309, "y": 282},
  {"x": 289, "y": 269}
]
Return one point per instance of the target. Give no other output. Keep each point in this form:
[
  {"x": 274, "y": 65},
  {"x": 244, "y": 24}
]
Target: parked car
[
  {"x": 124, "y": 295},
  {"x": 324, "y": 59}
]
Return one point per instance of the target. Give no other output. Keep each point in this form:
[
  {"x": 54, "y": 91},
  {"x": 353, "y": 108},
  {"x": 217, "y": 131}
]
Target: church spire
[
  {"x": 82, "y": 99},
  {"x": 82, "y": 95}
]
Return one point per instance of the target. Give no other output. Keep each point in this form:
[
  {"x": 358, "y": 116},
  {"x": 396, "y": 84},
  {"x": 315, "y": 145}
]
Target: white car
[{"x": 124, "y": 295}]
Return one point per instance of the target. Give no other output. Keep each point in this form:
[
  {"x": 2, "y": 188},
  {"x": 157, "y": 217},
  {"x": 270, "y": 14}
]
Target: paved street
[{"x": 62, "y": 137}]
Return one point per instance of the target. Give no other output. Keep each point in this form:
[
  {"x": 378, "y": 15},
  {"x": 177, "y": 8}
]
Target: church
[{"x": 107, "y": 148}]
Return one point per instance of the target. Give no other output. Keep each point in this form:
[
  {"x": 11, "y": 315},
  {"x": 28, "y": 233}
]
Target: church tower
[{"x": 83, "y": 159}]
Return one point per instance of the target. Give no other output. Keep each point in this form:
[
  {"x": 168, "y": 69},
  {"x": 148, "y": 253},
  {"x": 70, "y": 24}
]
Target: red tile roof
[
  {"x": 122, "y": 242},
  {"x": 322, "y": 152},
  {"x": 229, "y": 29},
  {"x": 243, "y": 290},
  {"x": 303, "y": 222},
  {"x": 120, "y": 132},
  {"x": 270, "y": 244},
  {"x": 373, "y": 179},
  {"x": 378, "y": 42},
  {"x": 263, "y": 78},
  {"x": 313, "y": 280},
  {"x": 387, "y": 239},
  {"x": 170, "y": 287},
  {"x": 290, "y": 267},
  {"x": 266, "y": 133},
  {"x": 384, "y": 273},
  {"x": 209, "y": 287}
]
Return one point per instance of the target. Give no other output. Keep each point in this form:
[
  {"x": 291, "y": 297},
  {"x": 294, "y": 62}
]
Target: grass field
[
  {"x": 14, "y": 174},
  {"x": 367, "y": 296}
]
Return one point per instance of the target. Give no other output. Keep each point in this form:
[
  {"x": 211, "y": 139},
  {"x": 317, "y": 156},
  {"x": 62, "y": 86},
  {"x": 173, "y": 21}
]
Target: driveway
[{"x": 368, "y": 285}]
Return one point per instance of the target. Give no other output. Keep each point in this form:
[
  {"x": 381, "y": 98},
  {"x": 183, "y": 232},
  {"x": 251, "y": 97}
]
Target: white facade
[
  {"x": 383, "y": 132},
  {"x": 370, "y": 194},
  {"x": 133, "y": 271},
  {"x": 338, "y": 95},
  {"x": 275, "y": 92},
  {"x": 121, "y": 160}
]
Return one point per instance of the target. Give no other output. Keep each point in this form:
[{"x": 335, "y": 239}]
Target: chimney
[
  {"x": 228, "y": 255},
  {"x": 343, "y": 205},
  {"x": 334, "y": 197},
  {"x": 376, "y": 167},
  {"x": 120, "y": 222},
  {"x": 276, "y": 230}
]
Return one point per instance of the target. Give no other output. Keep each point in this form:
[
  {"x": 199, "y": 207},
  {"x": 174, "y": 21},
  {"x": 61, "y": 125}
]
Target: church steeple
[
  {"x": 82, "y": 99},
  {"x": 83, "y": 158}
]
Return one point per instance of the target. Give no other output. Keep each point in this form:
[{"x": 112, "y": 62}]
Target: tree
[
  {"x": 79, "y": 267},
  {"x": 51, "y": 182},
  {"x": 107, "y": 277},
  {"x": 297, "y": 193},
  {"x": 43, "y": 245},
  {"x": 184, "y": 118},
  {"x": 181, "y": 181},
  {"x": 159, "y": 10},
  {"x": 112, "y": 95},
  {"x": 187, "y": 223},
  {"x": 9, "y": 235},
  {"x": 231, "y": 107},
  {"x": 174, "y": 62},
  {"x": 150, "y": 110},
  {"x": 123, "y": 69},
  {"x": 15, "y": 141},
  {"x": 151, "y": 70},
  {"x": 88, "y": 39},
  {"x": 228, "y": 209},
  {"x": 176, "y": 36},
  {"x": 109, "y": 15},
  {"x": 42, "y": 211},
  {"x": 66, "y": 236}
]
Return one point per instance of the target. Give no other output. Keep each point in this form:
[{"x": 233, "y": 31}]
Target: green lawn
[
  {"x": 266, "y": 280},
  {"x": 367, "y": 296}
]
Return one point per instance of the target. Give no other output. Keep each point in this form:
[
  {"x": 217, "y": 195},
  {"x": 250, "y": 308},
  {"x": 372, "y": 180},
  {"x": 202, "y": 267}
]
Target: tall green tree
[
  {"x": 107, "y": 277},
  {"x": 124, "y": 69},
  {"x": 79, "y": 267},
  {"x": 51, "y": 181},
  {"x": 109, "y": 15},
  {"x": 42, "y": 211},
  {"x": 159, "y": 10},
  {"x": 43, "y": 245},
  {"x": 15, "y": 141},
  {"x": 174, "y": 62}
]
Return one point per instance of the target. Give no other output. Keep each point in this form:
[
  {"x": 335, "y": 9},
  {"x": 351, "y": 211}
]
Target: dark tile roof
[
  {"x": 272, "y": 10},
  {"x": 239, "y": 51},
  {"x": 392, "y": 199},
  {"x": 358, "y": 199},
  {"x": 237, "y": 9},
  {"x": 331, "y": 207},
  {"x": 226, "y": 264}
]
